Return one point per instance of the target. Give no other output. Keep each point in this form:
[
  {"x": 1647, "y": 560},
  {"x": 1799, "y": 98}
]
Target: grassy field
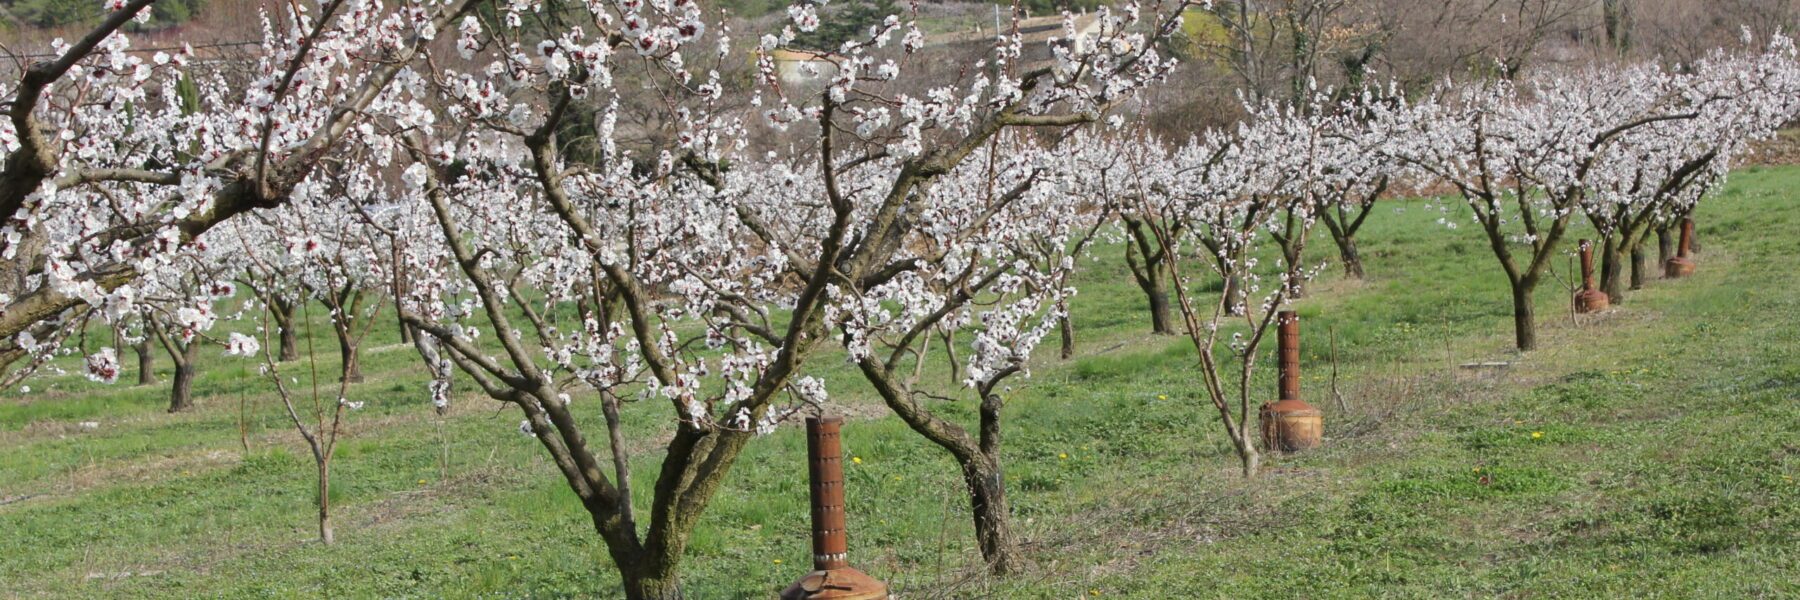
[{"x": 1650, "y": 451}]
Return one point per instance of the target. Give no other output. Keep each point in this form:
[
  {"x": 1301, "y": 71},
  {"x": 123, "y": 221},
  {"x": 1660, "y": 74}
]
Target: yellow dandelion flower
[
  {"x": 1537, "y": 435},
  {"x": 778, "y": 561},
  {"x": 1063, "y": 456},
  {"x": 856, "y": 459},
  {"x": 1159, "y": 397},
  {"x": 421, "y": 482}
]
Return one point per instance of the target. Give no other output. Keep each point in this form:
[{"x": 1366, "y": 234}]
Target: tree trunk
[
  {"x": 641, "y": 586},
  {"x": 949, "y": 338},
  {"x": 181, "y": 393},
  {"x": 1612, "y": 270},
  {"x": 351, "y": 357},
  {"x": 325, "y": 536},
  {"x": 1292, "y": 256},
  {"x": 1149, "y": 267},
  {"x": 1343, "y": 226},
  {"x": 1615, "y": 17},
  {"x": 1665, "y": 245},
  {"x": 1160, "y": 324},
  {"x": 1251, "y": 458},
  {"x": 993, "y": 520},
  {"x": 644, "y": 573},
  {"x": 146, "y": 361},
  {"x": 399, "y": 292},
  {"x": 1152, "y": 277},
  {"x": 1068, "y": 336},
  {"x": 406, "y": 333},
  {"x": 1233, "y": 304},
  {"x": 1352, "y": 257},
  {"x": 1640, "y": 264},
  {"x": 1524, "y": 323},
  {"x": 283, "y": 312}
]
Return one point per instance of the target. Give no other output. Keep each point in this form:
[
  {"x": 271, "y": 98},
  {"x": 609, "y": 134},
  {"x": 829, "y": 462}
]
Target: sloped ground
[{"x": 1650, "y": 451}]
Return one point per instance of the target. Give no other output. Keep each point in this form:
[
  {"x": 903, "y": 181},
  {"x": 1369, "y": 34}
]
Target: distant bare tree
[
  {"x": 1489, "y": 37},
  {"x": 1279, "y": 48},
  {"x": 1680, "y": 31}
]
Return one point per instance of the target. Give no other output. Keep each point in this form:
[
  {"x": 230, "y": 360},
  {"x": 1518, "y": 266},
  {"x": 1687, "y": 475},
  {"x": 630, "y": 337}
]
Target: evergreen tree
[{"x": 844, "y": 22}]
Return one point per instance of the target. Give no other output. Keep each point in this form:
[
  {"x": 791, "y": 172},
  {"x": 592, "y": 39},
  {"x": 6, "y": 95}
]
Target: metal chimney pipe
[
  {"x": 1681, "y": 265},
  {"x": 832, "y": 577},
  {"x": 825, "y": 457},
  {"x": 1287, "y": 323},
  {"x": 1588, "y": 299},
  {"x": 1290, "y": 424},
  {"x": 1687, "y": 237},
  {"x": 1587, "y": 265}
]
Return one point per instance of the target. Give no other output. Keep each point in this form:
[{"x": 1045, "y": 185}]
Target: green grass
[{"x": 1666, "y": 465}]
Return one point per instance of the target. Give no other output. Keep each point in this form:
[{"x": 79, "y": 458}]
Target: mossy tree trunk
[
  {"x": 1150, "y": 269},
  {"x": 1612, "y": 268},
  {"x": 977, "y": 454},
  {"x": 282, "y": 311},
  {"x": 1640, "y": 265},
  {"x": 350, "y": 327},
  {"x": 146, "y": 361},
  {"x": 986, "y": 482},
  {"x": 184, "y": 353}
]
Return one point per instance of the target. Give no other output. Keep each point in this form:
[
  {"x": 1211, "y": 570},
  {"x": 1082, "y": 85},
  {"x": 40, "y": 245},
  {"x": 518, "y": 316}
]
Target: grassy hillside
[{"x": 1650, "y": 451}]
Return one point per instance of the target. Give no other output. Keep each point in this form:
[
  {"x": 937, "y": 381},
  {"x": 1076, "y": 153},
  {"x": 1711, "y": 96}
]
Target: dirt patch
[
  {"x": 1783, "y": 149},
  {"x": 137, "y": 470}
]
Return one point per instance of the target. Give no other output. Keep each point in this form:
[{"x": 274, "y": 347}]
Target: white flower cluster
[
  {"x": 238, "y": 344},
  {"x": 103, "y": 366}
]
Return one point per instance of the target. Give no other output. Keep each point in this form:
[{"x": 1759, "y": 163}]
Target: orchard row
[{"x": 570, "y": 218}]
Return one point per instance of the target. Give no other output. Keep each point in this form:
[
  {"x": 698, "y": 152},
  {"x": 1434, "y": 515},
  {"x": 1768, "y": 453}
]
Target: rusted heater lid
[{"x": 836, "y": 584}]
